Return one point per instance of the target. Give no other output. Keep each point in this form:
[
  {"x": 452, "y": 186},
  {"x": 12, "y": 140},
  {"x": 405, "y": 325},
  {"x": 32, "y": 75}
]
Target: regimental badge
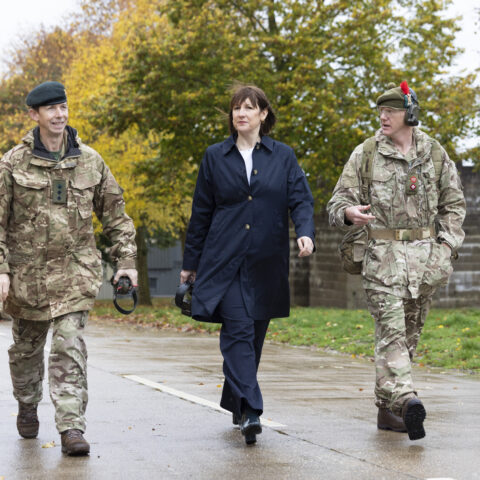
[{"x": 412, "y": 185}]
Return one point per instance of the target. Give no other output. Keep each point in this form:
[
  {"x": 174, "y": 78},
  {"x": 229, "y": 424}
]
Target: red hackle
[{"x": 405, "y": 88}]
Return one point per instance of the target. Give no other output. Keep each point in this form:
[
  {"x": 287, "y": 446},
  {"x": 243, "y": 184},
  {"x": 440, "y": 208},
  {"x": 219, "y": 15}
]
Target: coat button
[
  {"x": 255, "y": 172},
  {"x": 250, "y": 198},
  {"x": 247, "y": 227}
]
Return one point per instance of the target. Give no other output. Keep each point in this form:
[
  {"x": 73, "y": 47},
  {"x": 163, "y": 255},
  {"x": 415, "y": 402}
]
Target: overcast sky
[{"x": 23, "y": 16}]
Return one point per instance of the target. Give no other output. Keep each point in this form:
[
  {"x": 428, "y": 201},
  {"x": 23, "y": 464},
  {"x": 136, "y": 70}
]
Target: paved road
[{"x": 320, "y": 408}]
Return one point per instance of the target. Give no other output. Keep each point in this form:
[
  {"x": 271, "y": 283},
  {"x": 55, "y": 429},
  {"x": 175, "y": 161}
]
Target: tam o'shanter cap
[
  {"x": 47, "y": 93},
  {"x": 393, "y": 97}
]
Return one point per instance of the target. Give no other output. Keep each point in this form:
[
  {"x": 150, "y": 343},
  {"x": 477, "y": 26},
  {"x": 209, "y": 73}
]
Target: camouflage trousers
[
  {"x": 67, "y": 366},
  {"x": 398, "y": 325}
]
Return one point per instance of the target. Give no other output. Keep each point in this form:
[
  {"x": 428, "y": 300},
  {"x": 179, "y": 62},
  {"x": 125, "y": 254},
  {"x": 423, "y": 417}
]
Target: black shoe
[
  {"x": 250, "y": 438},
  {"x": 27, "y": 420},
  {"x": 250, "y": 426},
  {"x": 413, "y": 413}
]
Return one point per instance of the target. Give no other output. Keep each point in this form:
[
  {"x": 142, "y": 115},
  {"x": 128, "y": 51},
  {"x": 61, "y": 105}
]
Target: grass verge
[{"x": 450, "y": 339}]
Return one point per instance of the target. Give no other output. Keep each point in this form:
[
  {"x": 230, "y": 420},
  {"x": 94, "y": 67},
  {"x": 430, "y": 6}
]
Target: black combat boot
[
  {"x": 413, "y": 413},
  {"x": 27, "y": 420},
  {"x": 387, "y": 420},
  {"x": 73, "y": 443}
]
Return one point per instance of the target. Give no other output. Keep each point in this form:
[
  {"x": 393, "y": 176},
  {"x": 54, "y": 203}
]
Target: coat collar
[
  {"x": 32, "y": 139},
  {"x": 229, "y": 143}
]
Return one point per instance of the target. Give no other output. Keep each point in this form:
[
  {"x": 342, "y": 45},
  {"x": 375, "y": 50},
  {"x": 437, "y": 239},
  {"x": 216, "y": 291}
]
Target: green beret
[
  {"x": 47, "y": 93},
  {"x": 393, "y": 97}
]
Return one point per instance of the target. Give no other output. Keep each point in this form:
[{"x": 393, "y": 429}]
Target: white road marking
[
  {"x": 192, "y": 398},
  {"x": 3, "y": 334}
]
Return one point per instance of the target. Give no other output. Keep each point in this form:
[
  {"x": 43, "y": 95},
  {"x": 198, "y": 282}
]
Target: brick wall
[{"x": 320, "y": 281}]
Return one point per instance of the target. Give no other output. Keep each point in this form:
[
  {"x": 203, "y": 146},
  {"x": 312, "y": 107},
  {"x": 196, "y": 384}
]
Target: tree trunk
[{"x": 142, "y": 267}]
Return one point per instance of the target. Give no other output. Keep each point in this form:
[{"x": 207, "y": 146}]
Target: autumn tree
[
  {"x": 33, "y": 59},
  {"x": 321, "y": 63},
  {"x": 91, "y": 81},
  {"x": 64, "y": 55}
]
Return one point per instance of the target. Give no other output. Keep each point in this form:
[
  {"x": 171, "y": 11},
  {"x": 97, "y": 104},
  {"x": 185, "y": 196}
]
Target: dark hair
[{"x": 259, "y": 99}]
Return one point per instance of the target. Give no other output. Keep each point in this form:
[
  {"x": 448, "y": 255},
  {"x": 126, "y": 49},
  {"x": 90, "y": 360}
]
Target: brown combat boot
[
  {"x": 73, "y": 443},
  {"x": 27, "y": 420},
  {"x": 387, "y": 420},
  {"x": 413, "y": 414}
]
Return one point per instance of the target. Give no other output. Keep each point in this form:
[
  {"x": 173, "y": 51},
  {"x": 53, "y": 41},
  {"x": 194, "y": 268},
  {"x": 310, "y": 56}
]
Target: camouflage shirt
[
  {"x": 401, "y": 267},
  {"x": 47, "y": 242}
]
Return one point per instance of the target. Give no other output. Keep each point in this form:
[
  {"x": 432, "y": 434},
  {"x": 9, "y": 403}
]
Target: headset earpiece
[
  {"x": 413, "y": 109},
  {"x": 411, "y": 115}
]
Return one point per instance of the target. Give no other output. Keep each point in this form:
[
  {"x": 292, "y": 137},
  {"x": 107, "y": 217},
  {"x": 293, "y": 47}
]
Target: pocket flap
[
  {"x": 29, "y": 180},
  {"x": 83, "y": 180}
]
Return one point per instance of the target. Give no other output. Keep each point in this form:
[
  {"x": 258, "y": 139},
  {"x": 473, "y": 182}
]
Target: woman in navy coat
[{"x": 237, "y": 245}]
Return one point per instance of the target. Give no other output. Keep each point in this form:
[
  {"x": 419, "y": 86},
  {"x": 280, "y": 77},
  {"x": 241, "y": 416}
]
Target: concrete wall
[
  {"x": 320, "y": 280},
  {"x": 463, "y": 289},
  {"x": 164, "y": 267}
]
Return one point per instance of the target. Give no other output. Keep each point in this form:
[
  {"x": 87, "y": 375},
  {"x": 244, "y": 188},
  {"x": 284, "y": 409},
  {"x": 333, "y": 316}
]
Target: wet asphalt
[{"x": 320, "y": 406}]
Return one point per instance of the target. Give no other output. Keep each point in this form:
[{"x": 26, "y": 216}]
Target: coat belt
[{"x": 402, "y": 234}]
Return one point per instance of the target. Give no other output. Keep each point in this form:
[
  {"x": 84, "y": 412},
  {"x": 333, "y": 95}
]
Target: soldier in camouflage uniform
[
  {"x": 50, "y": 268},
  {"x": 414, "y": 224}
]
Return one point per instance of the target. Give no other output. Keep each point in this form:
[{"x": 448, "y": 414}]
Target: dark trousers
[{"x": 241, "y": 342}]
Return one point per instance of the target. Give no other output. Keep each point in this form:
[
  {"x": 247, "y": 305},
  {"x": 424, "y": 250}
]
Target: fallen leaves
[{"x": 49, "y": 444}]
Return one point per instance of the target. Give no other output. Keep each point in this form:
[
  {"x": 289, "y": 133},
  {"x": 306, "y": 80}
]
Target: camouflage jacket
[
  {"x": 403, "y": 267},
  {"x": 47, "y": 244}
]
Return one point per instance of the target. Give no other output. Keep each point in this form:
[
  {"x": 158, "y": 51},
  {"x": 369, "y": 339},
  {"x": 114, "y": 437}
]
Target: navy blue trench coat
[{"x": 236, "y": 226}]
